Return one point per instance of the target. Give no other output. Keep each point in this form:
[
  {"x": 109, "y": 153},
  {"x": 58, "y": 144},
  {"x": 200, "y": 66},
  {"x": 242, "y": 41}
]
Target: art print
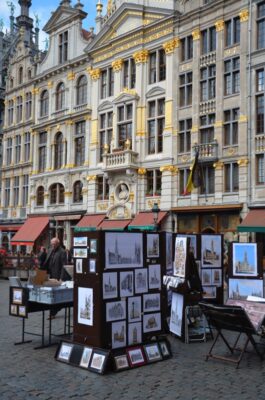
[
  {"x": 110, "y": 286},
  {"x": 80, "y": 241},
  {"x": 134, "y": 333},
  {"x": 141, "y": 284},
  {"x": 22, "y": 311},
  {"x": 79, "y": 265},
  {"x": 92, "y": 266},
  {"x": 217, "y": 277},
  {"x": 153, "y": 245},
  {"x": 176, "y": 314},
  {"x": 65, "y": 351},
  {"x": 152, "y": 352},
  {"x": 240, "y": 289},
  {"x": 121, "y": 362},
  {"x": 245, "y": 259},
  {"x": 180, "y": 256},
  {"x": 209, "y": 292},
  {"x": 13, "y": 309},
  {"x": 123, "y": 250},
  {"x": 206, "y": 276},
  {"x": 126, "y": 284},
  {"x": 164, "y": 349},
  {"x": 86, "y": 357},
  {"x": 151, "y": 302},
  {"x": 211, "y": 251},
  {"x": 85, "y": 306},
  {"x": 152, "y": 322},
  {"x": 93, "y": 246},
  {"x": 193, "y": 244},
  {"x": 134, "y": 309},
  {"x": 80, "y": 253},
  {"x": 118, "y": 334},
  {"x": 135, "y": 356},
  {"x": 98, "y": 362},
  {"x": 169, "y": 251},
  {"x": 115, "y": 310},
  {"x": 154, "y": 276},
  {"x": 17, "y": 296}
]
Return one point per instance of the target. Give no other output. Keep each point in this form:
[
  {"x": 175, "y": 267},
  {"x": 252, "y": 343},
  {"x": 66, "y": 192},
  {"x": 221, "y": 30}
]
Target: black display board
[{"x": 18, "y": 302}]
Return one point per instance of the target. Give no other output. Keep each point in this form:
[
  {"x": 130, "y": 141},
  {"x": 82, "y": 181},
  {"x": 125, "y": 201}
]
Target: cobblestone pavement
[{"x": 35, "y": 374}]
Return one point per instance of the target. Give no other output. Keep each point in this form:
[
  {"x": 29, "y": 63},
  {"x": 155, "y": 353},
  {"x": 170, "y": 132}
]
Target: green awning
[{"x": 253, "y": 222}]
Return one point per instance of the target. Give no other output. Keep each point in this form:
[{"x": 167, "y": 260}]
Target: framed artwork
[
  {"x": 140, "y": 278},
  {"x": 180, "y": 257},
  {"x": 206, "y": 276},
  {"x": 176, "y": 316},
  {"x": 240, "y": 289},
  {"x": 164, "y": 349},
  {"x": 65, "y": 351},
  {"x": 121, "y": 362},
  {"x": 153, "y": 245},
  {"x": 152, "y": 322},
  {"x": 80, "y": 253},
  {"x": 13, "y": 309},
  {"x": 211, "y": 251},
  {"x": 135, "y": 356},
  {"x": 193, "y": 243},
  {"x": 245, "y": 259},
  {"x": 169, "y": 251},
  {"x": 134, "y": 309},
  {"x": 209, "y": 292},
  {"x": 118, "y": 334},
  {"x": 22, "y": 311},
  {"x": 126, "y": 284},
  {"x": 85, "y": 306},
  {"x": 151, "y": 302},
  {"x": 115, "y": 310},
  {"x": 110, "y": 285},
  {"x": 98, "y": 361},
  {"x": 134, "y": 333},
  {"x": 123, "y": 250},
  {"x": 217, "y": 277},
  {"x": 79, "y": 265},
  {"x": 86, "y": 357},
  {"x": 152, "y": 352},
  {"x": 80, "y": 241},
  {"x": 93, "y": 246},
  {"x": 92, "y": 265},
  {"x": 154, "y": 276},
  {"x": 17, "y": 295}
]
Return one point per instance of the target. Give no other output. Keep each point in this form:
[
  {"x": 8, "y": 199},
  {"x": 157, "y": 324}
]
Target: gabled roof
[{"x": 63, "y": 15}]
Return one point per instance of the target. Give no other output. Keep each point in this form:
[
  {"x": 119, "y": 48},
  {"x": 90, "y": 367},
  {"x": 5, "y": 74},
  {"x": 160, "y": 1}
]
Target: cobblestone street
[{"x": 35, "y": 374}]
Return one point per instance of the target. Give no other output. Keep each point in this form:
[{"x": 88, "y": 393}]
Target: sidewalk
[{"x": 35, "y": 374}]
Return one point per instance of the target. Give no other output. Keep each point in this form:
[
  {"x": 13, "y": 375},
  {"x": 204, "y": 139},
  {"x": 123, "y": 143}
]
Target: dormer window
[{"x": 63, "y": 47}]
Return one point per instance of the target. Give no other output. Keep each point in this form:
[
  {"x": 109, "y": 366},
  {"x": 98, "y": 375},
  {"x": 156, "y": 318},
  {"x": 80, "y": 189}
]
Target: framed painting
[
  {"x": 209, "y": 292},
  {"x": 135, "y": 356},
  {"x": 152, "y": 245},
  {"x": 245, "y": 262},
  {"x": 115, "y": 310},
  {"x": 126, "y": 284},
  {"x": 176, "y": 317},
  {"x": 110, "y": 285},
  {"x": 206, "y": 275},
  {"x": 140, "y": 280},
  {"x": 192, "y": 244},
  {"x": 134, "y": 333},
  {"x": 79, "y": 265},
  {"x": 22, "y": 311},
  {"x": 123, "y": 250},
  {"x": 151, "y": 322},
  {"x": 217, "y": 277},
  {"x": 86, "y": 357},
  {"x": 17, "y": 295},
  {"x": 92, "y": 266},
  {"x": 180, "y": 256},
  {"x": 85, "y": 306},
  {"x": 151, "y": 302},
  {"x": 169, "y": 253},
  {"x": 121, "y": 362},
  {"x": 134, "y": 309},
  {"x": 240, "y": 289},
  {"x": 65, "y": 351},
  {"x": 164, "y": 349},
  {"x": 93, "y": 246},
  {"x": 118, "y": 334},
  {"x": 99, "y": 361},
  {"x": 152, "y": 352},
  {"x": 154, "y": 276},
  {"x": 13, "y": 309},
  {"x": 211, "y": 251},
  {"x": 80, "y": 253},
  {"x": 80, "y": 241}
]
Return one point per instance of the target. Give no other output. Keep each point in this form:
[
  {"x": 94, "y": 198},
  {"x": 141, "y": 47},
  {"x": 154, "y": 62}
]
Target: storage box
[{"x": 51, "y": 295}]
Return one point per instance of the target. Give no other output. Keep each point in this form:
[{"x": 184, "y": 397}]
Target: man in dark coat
[{"x": 55, "y": 260}]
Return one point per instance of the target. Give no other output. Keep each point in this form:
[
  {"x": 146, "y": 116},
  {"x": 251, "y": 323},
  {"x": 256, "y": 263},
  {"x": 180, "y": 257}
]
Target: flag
[{"x": 194, "y": 179}]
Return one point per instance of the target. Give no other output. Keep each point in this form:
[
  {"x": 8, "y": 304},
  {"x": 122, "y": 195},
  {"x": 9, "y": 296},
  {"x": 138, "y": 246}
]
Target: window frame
[
  {"x": 79, "y": 143},
  {"x": 102, "y": 189},
  {"x": 157, "y": 66},
  {"x": 208, "y": 83},
  {"x": 153, "y": 182},
  {"x": 233, "y": 73},
  {"x": 81, "y": 90},
  {"x": 231, "y": 127},
  {"x": 157, "y": 122},
  {"x": 77, "y": 192},
  {"x": 105, "y": 131},
  {"x": 231, "y": 177},
  {"x": 44, "y": 103},
  {"x": 185, "y": 89}
]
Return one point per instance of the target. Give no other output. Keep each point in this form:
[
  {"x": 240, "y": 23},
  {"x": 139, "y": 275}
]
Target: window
[
  {"x": 208, "y": 82},
  {"x": 129, "y": 74},
  {"x": 16, "y": 191},
  {"x": 81, "y": 90},
  {"x": 28, "y": 105},
  {"x": 44, "y": 103},
  {"x": 42, "y": 151},
  {"x": 183, "y": 180},
  {"x": 102, "y": 188},
  {"x": 107, "y": 83},
  {"x": 157, "y": 66},
  {"x": 232, "y": 32},
  {"x": 58, "y": 151},
  {"x": 105, "y": 131},
  {"x": 260, "y": 101},
  {"x": 60, "y": 96},
  {"x": 260, "y": 80},
  {"x": 10, "y": 112},
  {"x": 17, "y": 149},
  {"x": 208, "y": 173},
  {"x": 20, "y": 75},
  {"x": 25, "y": 190},
  {"x": 185, "y": 89},
  {"x": 156, "y": 124},
  {"x": 186, "y": 47},
  {"x": 77, "y": 192},
  {"x": 207, "y": 128},
  {"x": 154, "y": 182},
  {"x": 80, "y": 131},
  {"x": 57, "y": 193},
  {"x": 9, "y": 151},
  {"x": 231, "y": 177},
  {"x": 260, "y": 169},
  {"x": 232, "y": 76},
  {"x": 184, "y": 135},
  {"x": 19, "y": 108},
  {"x": 231, "y": 127},
  {"x": 26, "y": 146},
  {"x": 29, "y": 74},
  {"x": 261, "y": 25},
  {"x": 208, "y": 40},
  {"x": 63, "y": 47},
  {"x": 7, "y": 192},
  {"x": 40, "y": 196},
  {"x": 125, "y": 116}
]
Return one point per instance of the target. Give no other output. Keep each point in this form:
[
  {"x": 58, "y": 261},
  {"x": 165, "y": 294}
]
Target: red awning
[
  {"x": 89, "y": 222},
  {"x": 30, "y": 231},
  {"x": 114, "y": 224},
  {"x": 11, "y": 228},
  {"x": 254, "y": 221},
  {"x": 145, "y": 220}
]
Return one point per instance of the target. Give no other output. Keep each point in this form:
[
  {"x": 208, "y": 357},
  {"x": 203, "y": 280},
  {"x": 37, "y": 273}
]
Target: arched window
[
  {"x": 44, "y": 103},
  {"x": 29, "y": 74},
  {"x": 77, "y": 192},
  {"x": 40, "y": 196},
  {"x": 11, "y": 82},
  {"x": 58, "y": 151},
  {"x": 81, "y": 90},
  {"x": 20, "y": 75},
  {"x": 57, "y": 193},
  {"x": 60, "y": 96}
]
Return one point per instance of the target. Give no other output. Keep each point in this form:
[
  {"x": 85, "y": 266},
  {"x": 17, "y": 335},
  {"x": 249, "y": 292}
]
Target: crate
[{"x": 50, "y": 295}]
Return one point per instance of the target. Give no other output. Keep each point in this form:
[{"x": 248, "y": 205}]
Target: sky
[{"x": 43, "y": 9}]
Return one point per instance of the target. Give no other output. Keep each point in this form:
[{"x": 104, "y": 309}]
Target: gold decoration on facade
[
  {"x": 94, "y": 131},
  {"x": 69, "y": 122},
  {"x": 242, "y": 119},
  {"x": 117, "y": 65},
  {"x": 218, "y": 165},
  {"x": 218, "y": 124},
  {"x": 69, "y": 166},
  {"x": 109, "y": 7},
  {"x": 169, "y": 168},
  {"x": 196, "y": 34},
  {"x": 102, "y": 206},
  {"x": 219, "y": 25},
  {"x": 140, "y": 56},
  {"x": 58, "y": 126},
  {"x": 94, "y": 73},
  {"x": 171, "y": 45},
  {"x": 244, "y": 14},
  {"x": 141, "y": 171},
  {"x": 127, "y": 144},
  {"x": 50, "y": 84},
  {"x": 168, "y": 115},
  {"x": 194, "y": 129},
  {"x": 106, "y": 148},
  {"x": 99, "y": 7},
  {"x": 232, "y": 51},
  {"x": 231, "y": 151},
  {"x": 242, "y": 162},
  {"x": 131, "y": 196},
  {"x": 129, "y": 91},
  {"x": 71, "y": 76},
  {"x": 150, "y": 203},
  {"x": 84, "y": 190},
  {"x": 35, "y": 91},
  {"x": 91, "y": 178},
  {"x": 14, "y": 213}
]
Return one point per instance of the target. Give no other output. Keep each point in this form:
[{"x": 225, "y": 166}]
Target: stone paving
[{"x": 35, "y": 374}]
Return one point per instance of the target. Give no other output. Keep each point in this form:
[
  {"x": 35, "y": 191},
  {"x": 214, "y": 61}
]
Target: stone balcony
[
  {"x": 260, "y": 143},
  {"x": 207, "y": 151},
  {"x": 120, "y": 159}
]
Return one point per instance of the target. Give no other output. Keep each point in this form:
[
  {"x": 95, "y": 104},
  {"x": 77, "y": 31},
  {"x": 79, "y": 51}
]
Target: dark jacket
[{"x": 55, "y": 261}]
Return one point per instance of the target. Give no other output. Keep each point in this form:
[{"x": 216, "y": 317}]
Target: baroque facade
[{"x": 118, "y": 115}]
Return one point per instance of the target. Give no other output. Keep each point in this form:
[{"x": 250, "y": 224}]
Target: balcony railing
[
  {"x": 207, "y": 151},
  {"x": 208, "y": 59},
  {"x": 121, "y": 159},
  {"x": 260, "y": 143}
]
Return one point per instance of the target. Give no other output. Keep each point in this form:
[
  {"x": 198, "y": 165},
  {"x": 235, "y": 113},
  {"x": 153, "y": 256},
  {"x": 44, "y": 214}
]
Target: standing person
[
  {"x": 42, "y": 257},
  {"x": 55, "y": 260}
]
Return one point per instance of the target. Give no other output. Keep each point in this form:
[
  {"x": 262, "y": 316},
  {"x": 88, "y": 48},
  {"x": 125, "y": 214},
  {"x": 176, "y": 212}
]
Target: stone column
[
  {"x": 219, "y": 183},
  {"x": 48, "y": 151},
  {"x": 168, "y": 171},
  {"x": 141, "y": 183},
  {"x": 92, "y": 190},
  {"x": 93, "y": 138}
]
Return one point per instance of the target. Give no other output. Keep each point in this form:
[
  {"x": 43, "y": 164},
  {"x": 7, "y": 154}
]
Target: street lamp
[{"x": 155, "y": 211}]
